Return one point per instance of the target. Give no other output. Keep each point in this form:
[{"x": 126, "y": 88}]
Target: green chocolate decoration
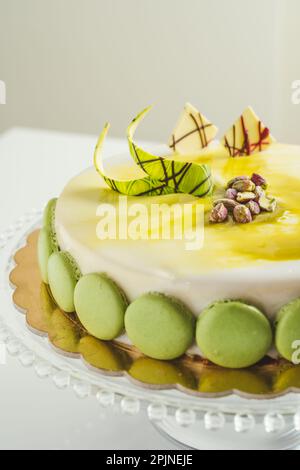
[
  {"x": 182, "y": 177},
  {"x": 162, "y": 174},
  {"x": 135, "y": 187}
]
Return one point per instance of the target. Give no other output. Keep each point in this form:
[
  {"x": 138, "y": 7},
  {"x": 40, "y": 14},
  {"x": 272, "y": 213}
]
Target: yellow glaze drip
[{"x": 270, "y": 237}]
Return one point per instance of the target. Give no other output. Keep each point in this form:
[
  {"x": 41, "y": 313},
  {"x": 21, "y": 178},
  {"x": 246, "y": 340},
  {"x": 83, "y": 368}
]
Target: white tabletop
[{"x": 35, "y": 165}]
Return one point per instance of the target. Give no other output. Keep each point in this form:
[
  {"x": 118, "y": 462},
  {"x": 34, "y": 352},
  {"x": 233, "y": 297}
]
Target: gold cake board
[{"x": 190, "y": 374}]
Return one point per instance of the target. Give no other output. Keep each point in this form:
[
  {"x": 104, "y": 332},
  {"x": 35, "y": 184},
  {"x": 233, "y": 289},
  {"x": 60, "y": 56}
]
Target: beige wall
[{"x": 72, "y": 64}]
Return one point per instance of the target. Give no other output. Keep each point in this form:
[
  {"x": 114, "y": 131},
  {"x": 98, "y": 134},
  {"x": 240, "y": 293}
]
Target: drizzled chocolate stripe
[
  {"x": 198, "y": 129},
  {"x": 201, "y": 184},
  {"x": 173, "y": 145},
  {"x": 112, "y": 184},
  {"x": 153, "y": 189},
  {"x": 167, "y": 178},
  {"x": 203, "y": 129},
  {"x": 173, "y": 173},
  {"x": 164, "y": 168},
  {"x": 137, "y": 157},
  {"x": 184, "y": 169},
  {"x": 247, "y": 148}
]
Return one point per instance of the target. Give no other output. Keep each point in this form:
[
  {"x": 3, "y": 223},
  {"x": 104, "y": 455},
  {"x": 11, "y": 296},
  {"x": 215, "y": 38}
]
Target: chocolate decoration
[
  {"x": 240, "y": 140},
  {"x": 181, "y": 177},
  {"x": 162, "y": 174},
  {"x": 200, "y": 125}
]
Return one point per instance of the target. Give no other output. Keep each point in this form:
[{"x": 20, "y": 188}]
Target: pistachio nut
[
  {"x": 242, "y": 214},
  {"x": 267, "y": 204},
  {"x": 219, "y": 214},
  {"x": 259, "y": 192},
  {"x": 228, "y": 203},
  {"x": 259, "y": 180},
  {"x": 244, "y": 186},
  {"x": 247, "y": 196},
  {"x": 231, "y": 193},
  {"x": 237, "y": 178},
  {"x": 253, "y": 207}
]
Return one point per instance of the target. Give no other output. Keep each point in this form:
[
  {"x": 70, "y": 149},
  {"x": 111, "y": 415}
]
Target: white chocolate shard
[
  {"x": 192, "y": 133},
  {"x": 248, "y": 135}
]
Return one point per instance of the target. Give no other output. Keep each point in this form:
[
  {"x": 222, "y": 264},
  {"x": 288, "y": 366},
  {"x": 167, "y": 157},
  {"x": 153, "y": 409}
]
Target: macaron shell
[
  {"x": 49, "y": 213},
  {"x": 46, "y": 247},
  {"x": 63, "y": 277},
  {"x": 232, "y": 334},
  {"x": 100, "y": 306},
  {"x": 159, "y": 326},
  {"x": 288, "y": 330}
]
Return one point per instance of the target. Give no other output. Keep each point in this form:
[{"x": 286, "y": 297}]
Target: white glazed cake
[{"x": 256, "y": 264}]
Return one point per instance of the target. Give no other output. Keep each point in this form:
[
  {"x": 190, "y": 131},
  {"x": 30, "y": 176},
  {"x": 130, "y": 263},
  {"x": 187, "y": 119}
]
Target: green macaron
[
  {"x": 100, "y": 306},
  {"x": 49, "y": 213},
  {"x": 159, "y": 326},
  {"x": 63, "y": 275},
  {"x": 288, "y": 330},
  {"x": 47, "y": 242},
  {"x": 47, "y": 245},
  {"x": 233, "y": 334}
]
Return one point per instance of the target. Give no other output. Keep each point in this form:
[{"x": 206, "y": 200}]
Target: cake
[{"x": 228, "y": 289}]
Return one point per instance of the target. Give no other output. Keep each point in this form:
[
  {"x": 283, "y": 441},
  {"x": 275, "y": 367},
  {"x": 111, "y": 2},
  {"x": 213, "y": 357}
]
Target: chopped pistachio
[
  {"x": 242, "y": 214},
  {"x": 228, "y": 203},
  {"x": 267, "y": 204},
  {"x": 231, "y": 193},
  {"x": 237, "y": 178},
  {"x": 259, "y": 192},
  {"x": 218, "y": 214},
  {"x": 253, "y": 207},
  {"x": 245, "y": 197},
  {"x": 258, "y": 180},
  {"x": 244, "y": 186}
]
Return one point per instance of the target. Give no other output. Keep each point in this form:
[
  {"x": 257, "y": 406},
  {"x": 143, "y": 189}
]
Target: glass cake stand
[{"x": 192, "y": 422}]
